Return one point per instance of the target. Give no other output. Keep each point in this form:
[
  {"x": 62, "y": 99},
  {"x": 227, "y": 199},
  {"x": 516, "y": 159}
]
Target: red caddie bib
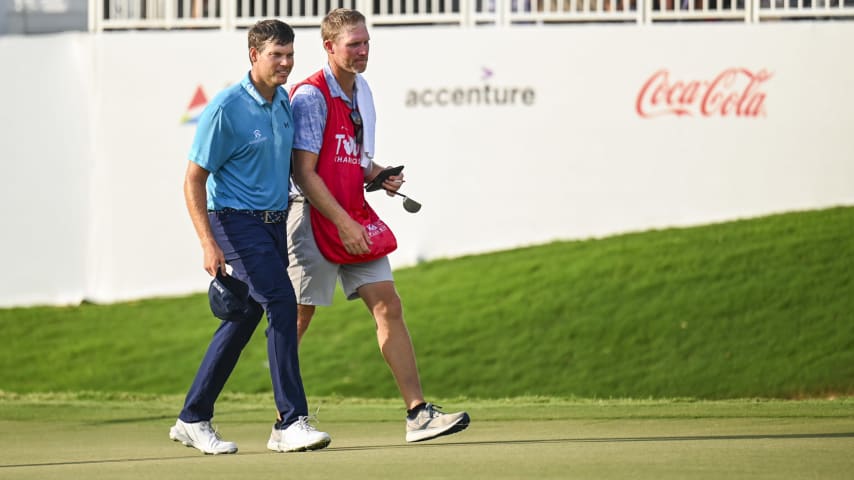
[{"x": 339, "y": 165}]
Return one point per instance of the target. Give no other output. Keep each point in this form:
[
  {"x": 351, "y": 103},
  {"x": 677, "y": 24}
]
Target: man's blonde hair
[{"x": 338, "y": 21}]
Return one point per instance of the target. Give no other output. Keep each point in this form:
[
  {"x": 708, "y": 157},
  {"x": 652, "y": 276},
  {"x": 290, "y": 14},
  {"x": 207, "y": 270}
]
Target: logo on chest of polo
[
  {"x": 347, "y": 150},
  {"x": 257, "y": 137}
]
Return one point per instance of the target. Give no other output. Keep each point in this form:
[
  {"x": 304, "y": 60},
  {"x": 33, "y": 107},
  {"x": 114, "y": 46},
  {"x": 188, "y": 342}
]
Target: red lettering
[{"x": 733, "y": 92}]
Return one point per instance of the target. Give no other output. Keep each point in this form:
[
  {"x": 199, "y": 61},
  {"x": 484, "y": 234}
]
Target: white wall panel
[
  {"x": 569, "y": 158},
  {"x": 45, "y": 165}
]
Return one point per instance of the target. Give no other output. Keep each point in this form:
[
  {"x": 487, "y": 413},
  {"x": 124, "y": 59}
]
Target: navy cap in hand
[{"x": 229, "y": 299}]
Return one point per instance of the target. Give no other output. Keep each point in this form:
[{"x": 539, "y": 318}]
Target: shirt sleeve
[
  {"x": 309, "y": 109},
  {"x": 211, "y": 144}
]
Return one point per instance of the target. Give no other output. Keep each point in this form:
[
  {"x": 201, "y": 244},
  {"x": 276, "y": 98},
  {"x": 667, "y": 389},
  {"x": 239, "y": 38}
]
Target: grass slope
[{"x": 752, "y": 308}]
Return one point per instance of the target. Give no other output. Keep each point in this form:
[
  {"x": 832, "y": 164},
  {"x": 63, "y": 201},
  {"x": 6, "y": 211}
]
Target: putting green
[{"x": 126, "y": 438}]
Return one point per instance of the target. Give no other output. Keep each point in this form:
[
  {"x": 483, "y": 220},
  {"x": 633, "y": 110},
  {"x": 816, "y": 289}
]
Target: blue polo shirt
[{"x": 245, "y": 143}]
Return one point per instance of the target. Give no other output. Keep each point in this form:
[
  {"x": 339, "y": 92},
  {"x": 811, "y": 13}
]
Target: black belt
[{"x": 268, "y": 216}]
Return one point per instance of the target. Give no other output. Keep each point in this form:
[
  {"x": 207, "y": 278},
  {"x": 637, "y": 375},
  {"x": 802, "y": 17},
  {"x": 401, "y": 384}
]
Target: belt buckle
[{"x": 268, "y": 217}]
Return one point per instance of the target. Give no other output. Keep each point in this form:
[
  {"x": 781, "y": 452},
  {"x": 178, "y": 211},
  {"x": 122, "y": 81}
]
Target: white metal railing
[{"x": 232, "y": 14}]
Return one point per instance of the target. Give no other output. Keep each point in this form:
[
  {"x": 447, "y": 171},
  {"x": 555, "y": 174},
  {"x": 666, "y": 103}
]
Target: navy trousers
[{"x": 257, "y": 252}]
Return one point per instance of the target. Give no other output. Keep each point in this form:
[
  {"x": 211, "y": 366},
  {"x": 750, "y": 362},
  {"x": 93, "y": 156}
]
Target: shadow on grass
[
  {"x": 131, "y": 420},
  {"x": 332, "y": 450},
  {"x": 171, "y": 416},
  {"x": 614, "y": 440}
]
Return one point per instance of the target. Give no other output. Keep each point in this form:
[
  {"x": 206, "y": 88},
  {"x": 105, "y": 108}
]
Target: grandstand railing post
[
  {"x": 95, "y": 9},
  {"x": 367, "y": 10},
  {"x": 169, "y": 13},
  {"x": 753, "y": 7},
  {"x": 466, "y": 9},
  {"x": 227, "y": 14}
]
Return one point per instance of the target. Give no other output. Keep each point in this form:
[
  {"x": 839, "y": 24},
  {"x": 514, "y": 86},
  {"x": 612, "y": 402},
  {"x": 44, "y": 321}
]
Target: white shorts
[{"x": 312, "y": 275}]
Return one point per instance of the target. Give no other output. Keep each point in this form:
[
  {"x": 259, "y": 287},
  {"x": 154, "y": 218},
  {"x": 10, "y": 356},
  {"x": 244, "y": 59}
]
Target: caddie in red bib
[
  {"x": 334, "y": 236},
  {"x": 339, "y": 165}
]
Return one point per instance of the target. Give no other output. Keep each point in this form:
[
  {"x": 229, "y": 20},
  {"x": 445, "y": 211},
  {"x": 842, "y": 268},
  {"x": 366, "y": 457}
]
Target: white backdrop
[{"x": 94, "y": 146}]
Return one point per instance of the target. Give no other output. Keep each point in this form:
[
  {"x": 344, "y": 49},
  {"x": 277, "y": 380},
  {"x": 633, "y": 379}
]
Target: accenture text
[{"x": 465, "y": 96}]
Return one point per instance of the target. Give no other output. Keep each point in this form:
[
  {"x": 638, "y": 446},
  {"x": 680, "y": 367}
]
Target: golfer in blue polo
[{"x": 236, "y": 193}]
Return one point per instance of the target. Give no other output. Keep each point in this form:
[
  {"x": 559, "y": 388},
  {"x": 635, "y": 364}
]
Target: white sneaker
[
  {"x": 202, "y": 436},
  {"x": 298, "y": 437},
  {"x": 430, "y": 422}
]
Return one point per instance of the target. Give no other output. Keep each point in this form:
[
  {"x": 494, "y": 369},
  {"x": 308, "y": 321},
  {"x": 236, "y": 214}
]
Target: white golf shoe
[
  {"x": 298, "y": 437},
  {"x": 202, "y": 436}
]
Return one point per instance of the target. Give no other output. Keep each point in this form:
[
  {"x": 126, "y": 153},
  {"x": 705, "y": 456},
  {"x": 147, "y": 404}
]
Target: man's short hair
[
  {"x": 275, "y": 31},
  {"x": 338, "y": 21}
]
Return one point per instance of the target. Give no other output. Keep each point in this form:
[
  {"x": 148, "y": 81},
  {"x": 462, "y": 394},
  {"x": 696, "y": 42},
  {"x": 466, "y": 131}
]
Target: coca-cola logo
[{"x": 733, "y": 92}]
